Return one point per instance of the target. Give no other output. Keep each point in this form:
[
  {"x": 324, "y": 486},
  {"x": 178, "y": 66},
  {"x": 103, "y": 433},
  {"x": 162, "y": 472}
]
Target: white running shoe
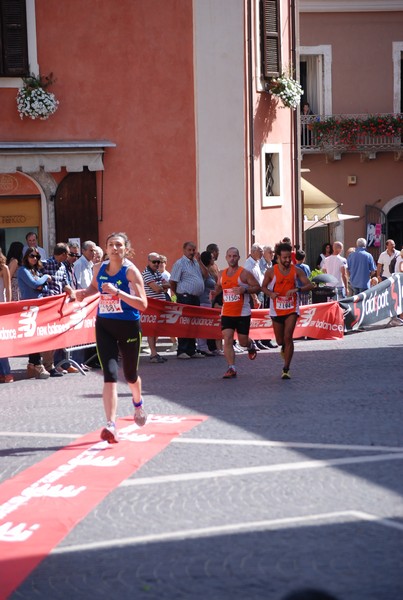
[{"x": 109, "y": 433}]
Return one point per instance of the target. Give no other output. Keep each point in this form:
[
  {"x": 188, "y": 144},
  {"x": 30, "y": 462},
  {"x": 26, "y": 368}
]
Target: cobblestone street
[{"x": 286, "y": 484}]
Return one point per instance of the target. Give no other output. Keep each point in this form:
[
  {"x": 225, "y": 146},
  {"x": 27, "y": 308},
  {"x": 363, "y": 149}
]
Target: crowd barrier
[{"x": 43, "y": 324}]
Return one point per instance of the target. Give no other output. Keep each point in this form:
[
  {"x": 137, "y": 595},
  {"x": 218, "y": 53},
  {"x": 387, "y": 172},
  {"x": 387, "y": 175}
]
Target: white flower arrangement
[
  {"x": 287, "y": 89},
  {"x": 34, "y": 101}
]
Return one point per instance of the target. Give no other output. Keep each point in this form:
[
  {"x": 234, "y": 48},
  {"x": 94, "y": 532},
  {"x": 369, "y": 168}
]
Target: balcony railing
[{"x": 338, "y": 134}]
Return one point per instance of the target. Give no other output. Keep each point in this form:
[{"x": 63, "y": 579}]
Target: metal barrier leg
[{"x": 70, "y": 361}]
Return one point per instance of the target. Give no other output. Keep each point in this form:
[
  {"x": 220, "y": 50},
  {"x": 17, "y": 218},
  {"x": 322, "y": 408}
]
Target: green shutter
[
  {"x": 271, "y": 42},
  {"x": 14, "y": 46}
]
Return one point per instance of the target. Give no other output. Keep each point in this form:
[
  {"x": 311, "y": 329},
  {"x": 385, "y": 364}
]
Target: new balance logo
[{"x": 27, "y": 321}]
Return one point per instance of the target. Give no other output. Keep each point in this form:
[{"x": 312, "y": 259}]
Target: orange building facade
[{"x": 163, "y": 129}]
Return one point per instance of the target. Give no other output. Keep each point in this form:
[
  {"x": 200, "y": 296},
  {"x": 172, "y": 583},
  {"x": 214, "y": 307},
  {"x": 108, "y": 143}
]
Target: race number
[
  {"x": 230, "y": 296},
  {"x": 109, "y": 304}
]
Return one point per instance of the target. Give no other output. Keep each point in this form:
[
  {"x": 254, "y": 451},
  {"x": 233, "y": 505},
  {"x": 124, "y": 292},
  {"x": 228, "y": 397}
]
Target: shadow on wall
[{"x": 265, "y": 113}]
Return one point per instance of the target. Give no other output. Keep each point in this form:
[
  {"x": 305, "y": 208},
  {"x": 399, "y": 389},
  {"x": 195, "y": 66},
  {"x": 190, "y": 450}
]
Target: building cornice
[{"x": 350, "y": 5}]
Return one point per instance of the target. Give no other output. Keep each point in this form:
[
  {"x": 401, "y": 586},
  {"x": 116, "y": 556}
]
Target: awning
[
  {"x": 319, "y": 209},
  {"x": 316, "y": 204},
  {"x": 30, "y": 157}
]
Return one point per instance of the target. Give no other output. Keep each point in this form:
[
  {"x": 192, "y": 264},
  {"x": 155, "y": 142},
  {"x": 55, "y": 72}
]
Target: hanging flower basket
[
  {"x": 287, "y": 89},
  {"x": 33, "y": 99}
]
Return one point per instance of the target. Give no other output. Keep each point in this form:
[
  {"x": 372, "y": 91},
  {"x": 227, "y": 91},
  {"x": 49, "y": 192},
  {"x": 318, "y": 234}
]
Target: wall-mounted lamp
[
  {"x": 52, "y": 197},
  {"x": 352, "y": 180}
]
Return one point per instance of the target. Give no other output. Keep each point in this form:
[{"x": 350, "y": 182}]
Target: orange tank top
[
  {"x": 281, "y": 284},
  {"x": 233, "y": 304}
]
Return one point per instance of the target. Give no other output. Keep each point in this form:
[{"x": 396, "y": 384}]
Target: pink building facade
[
  {"x": 164, "y": 127},
  {"x": 351, "y": 70}
]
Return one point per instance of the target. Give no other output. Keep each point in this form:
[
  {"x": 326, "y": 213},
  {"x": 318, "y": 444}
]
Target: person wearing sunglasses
[
  {"x": 32, "y": 282},
  {"x": 155, "y": 287},
  {"x": 59, "y": 284},
  {"x": 72, "y": 257}
]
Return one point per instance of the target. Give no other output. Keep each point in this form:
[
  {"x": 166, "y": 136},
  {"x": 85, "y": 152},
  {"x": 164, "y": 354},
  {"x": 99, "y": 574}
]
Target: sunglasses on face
[
  {"x": 34, "y": 256},
  {"x": 73, "y": 255},
  {"x": 156, "y": 262}
]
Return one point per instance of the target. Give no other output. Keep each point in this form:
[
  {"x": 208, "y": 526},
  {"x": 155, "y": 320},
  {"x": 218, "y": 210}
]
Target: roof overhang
[{"x": 30, "y": 157}]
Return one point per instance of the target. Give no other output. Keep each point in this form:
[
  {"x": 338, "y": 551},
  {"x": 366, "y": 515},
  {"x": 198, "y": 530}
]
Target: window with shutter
[
  {"x": 270, "y": 38},
  {"x": 13, "y": 39}
]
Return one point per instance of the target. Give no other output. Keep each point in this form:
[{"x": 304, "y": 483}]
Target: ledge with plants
[{"x": 356, "y": 131}]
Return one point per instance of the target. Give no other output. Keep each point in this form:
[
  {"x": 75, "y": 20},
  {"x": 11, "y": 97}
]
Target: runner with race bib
[
  {"x": 280, "y": 284},
  {"x": 236, "y": 284}
]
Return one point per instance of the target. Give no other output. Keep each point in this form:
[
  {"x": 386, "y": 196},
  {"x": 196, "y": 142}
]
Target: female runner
[{"x": 117, "y": 327}]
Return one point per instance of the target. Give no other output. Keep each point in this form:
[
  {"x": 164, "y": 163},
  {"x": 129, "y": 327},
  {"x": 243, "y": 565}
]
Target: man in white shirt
[
  {"x": 253, "y": 264},
  {"x": 384, "y": 260},
  {"x": 83, "y": 266},
  {"x": 32, "y": 242},
  {"x": 336, "y": 265}
]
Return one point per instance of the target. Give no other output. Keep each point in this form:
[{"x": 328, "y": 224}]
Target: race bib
[
  {"x": 109, "y": 304},
  {"x": 230, "y": 296},
  {"x": 285, "y": 302}
]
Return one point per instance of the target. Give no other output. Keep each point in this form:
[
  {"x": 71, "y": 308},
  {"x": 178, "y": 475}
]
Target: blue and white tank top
[{"x": 113, "y": 307}]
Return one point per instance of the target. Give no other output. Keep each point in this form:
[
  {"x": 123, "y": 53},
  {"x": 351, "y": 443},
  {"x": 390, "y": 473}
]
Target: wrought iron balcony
[{"x": 366, "y": 134}]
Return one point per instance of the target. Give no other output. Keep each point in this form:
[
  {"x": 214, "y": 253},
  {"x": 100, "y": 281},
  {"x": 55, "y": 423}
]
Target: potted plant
[
  {"x": 287, "y": 89},
  {"x": 33, "y": 99}
]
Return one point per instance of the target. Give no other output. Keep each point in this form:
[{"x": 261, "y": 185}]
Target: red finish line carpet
[{"x": 41, "y": 505}]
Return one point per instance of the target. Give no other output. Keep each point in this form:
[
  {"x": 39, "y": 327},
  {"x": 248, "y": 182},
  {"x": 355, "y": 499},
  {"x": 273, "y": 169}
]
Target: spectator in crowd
[
  {"x": 399, "y": 262},
  {"x": 187, "y": 283},
  {"x": 32, "y": 242},
  {"x": 32, "y": 282},
  {"x": 5, "y": 296},
  {"x": 252, "y": 264},
  {"x": 206, "y": 297},
  {"x": 336, "y": 265},
  {"x": 327, "y": 250},
  {"x": 98, "y": 255},
  {"x": 84, "y": 265},
  {"x": 155, "y": 286},
  {"x": 361, "y": 267},
  {"x": 83, "y": 354},
  {"x": 385, "y": 259},
  {"x": 58, "y": 284},
  {"x": 267, "y": 259},
  {"x": 14, "y": 261},
  {"x": 300, "y": 257},
  {"x": 167, "y": 276},
  {"x": 72, "y": 257},
  {"x": 213, "y": 268}
]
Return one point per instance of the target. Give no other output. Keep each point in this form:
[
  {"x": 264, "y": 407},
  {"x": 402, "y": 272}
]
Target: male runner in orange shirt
[
  {"x": 237, "y": 284},
  {"x": 280, "y": 285}
]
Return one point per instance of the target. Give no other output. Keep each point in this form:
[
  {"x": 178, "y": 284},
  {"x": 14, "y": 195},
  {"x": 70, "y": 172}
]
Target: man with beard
[{"x": 280, "y": 285}]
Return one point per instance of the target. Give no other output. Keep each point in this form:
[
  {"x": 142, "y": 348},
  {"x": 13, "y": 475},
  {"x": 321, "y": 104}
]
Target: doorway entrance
[
  {"x": 395, "y": 225},
  {"x": 76, "y": 207},
  {"x": 18, "y": 216}
]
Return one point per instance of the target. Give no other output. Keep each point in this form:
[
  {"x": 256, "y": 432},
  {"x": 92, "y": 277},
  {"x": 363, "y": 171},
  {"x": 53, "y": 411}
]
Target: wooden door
[{"x": 76, "y": 207}]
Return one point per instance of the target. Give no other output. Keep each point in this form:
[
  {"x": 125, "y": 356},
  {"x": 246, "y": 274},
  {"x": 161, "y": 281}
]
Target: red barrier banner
[
  {"x": 48, "y": 323},
  {"x": 41, "y": 505},
  {"x": 319, "y": 321}
]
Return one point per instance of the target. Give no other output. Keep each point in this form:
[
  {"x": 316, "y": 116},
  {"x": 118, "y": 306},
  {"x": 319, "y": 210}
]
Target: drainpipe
[
  {"x": 251, "y": 128},
  {"x": 296, "y": 127}
]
